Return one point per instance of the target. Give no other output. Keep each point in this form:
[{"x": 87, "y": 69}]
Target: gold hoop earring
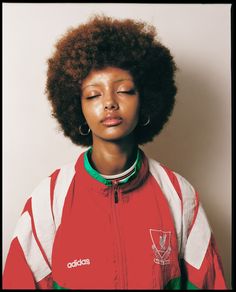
[
  {"x": 147, "y": 122},
  {"x": 81, "y": 130}
]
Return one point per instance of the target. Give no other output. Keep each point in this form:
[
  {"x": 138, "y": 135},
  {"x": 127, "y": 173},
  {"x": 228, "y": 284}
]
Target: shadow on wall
[{"x": 190, "y": 144}]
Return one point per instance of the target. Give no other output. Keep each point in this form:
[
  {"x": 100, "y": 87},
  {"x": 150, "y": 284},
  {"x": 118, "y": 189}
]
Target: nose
[{"x": 110, "y": 102}]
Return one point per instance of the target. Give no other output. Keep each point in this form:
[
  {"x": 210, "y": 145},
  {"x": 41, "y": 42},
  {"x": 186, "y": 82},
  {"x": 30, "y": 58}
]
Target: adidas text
[{"x": 77, "y": 263}]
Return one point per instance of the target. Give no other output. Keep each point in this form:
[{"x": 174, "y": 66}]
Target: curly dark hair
[{"x": 101, "y": 42}]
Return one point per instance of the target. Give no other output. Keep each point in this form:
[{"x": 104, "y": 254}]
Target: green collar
[{"x": 95, "y": 174}]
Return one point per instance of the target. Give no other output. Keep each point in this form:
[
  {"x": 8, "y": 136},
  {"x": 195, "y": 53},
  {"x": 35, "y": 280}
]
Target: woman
[{"x": 113, "y": 219}]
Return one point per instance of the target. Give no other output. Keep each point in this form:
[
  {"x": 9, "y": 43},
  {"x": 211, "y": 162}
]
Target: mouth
[{"x": 111, "y": 121}]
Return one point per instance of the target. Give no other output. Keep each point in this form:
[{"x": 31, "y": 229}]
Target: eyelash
[
  {"x": 130, "y": 92},
  {"x": 93, "y": 96}
]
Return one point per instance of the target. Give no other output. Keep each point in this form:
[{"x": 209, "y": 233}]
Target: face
[{"x": 110, "y": 103}]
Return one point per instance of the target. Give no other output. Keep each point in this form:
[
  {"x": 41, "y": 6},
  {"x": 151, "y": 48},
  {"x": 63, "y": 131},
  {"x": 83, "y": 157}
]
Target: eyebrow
[{"x": 116, "y": 81}]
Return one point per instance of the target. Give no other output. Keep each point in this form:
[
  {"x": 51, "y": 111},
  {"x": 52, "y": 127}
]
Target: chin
[
  {"x": 115, "y": 137},
  {"x": 115, "y": 134}
]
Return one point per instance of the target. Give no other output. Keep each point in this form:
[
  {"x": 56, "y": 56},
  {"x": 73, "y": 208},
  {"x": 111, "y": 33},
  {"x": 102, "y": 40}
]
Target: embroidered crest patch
[{"x": 161, "y": 246}]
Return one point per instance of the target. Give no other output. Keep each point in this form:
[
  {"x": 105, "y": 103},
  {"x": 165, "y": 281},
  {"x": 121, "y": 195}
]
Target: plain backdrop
[{"x": 196, "y": 142}]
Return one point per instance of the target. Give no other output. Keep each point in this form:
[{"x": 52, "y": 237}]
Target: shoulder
[
  {"x": 48, "y": 197},
  {"x": 182, "y": 197},
  {"x": 165, "y": 175},
  {"x": 59, "y": 177},
  {"x": 59, "y": 174},
  {"x": 50, "y": 192}
]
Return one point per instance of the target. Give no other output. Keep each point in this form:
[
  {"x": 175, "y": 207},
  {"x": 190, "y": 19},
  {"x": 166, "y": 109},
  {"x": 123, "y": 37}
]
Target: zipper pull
[{"x": 115, "y": 184}]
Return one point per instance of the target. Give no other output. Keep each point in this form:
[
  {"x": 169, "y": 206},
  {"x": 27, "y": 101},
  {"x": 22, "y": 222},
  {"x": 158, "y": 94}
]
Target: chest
[{"x": 106, "y": 245}]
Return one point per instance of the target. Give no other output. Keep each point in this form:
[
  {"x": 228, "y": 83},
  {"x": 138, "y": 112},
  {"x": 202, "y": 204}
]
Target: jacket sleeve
[
  {"x": 28, "y": 263},
  {"x": 17, "y": 273},
  {"x": 208, "y": 276},
  {"x": 200, "y": 261}
]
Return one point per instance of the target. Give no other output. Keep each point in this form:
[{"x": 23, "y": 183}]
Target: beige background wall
[{"x": 197, "y": 140}]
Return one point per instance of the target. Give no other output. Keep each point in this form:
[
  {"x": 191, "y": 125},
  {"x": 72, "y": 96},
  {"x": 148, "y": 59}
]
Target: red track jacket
[{"x": 80, "y": 231}]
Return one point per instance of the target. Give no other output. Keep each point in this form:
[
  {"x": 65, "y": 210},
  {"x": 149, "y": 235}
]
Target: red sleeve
[
  {"x": 20, "y": 271},
  {"x": 218, "y": 280},
  {"x": 17, "y": 274},
  {"x": 210, "y": 276}
]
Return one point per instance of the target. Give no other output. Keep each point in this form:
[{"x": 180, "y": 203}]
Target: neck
[{"x": 113, "y": 158}]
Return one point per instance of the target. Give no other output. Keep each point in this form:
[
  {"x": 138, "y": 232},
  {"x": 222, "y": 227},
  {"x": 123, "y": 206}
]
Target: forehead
[{"x": 106, "y": 75}]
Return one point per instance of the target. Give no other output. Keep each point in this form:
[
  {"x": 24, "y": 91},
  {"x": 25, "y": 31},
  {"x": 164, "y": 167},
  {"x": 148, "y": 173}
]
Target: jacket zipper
[
  {"x": 115, "y": 186},
  {"x": 120, "y": 250}
]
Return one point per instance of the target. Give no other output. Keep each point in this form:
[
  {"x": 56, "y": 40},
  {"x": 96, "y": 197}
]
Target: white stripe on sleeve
[
  {"x": 32, "y": 253},
  {"x": 189, "y": 205},
  {"x": 194, "y": 245},
  {"x": 198, "y": 240},
  {"x": 170, "y": 193},
  {"x": 63, "y": 182},
  {"x": 42, "y": 214}
]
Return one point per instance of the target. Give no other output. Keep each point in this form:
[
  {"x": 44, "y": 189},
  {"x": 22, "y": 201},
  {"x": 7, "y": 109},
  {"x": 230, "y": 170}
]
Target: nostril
[{"x": 111, "y": 106}]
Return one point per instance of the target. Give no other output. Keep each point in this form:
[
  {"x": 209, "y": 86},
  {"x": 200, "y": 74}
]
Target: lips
[{"x": 110, "y": 121}]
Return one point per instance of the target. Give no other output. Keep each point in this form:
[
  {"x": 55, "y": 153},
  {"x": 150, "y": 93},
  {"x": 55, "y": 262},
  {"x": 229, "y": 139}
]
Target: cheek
[
  {"x": 135, "y": 108},
  {"x": 91, "y": 110}
]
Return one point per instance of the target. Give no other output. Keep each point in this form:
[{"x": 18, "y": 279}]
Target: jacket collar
[{"x": 95, "y": 181}]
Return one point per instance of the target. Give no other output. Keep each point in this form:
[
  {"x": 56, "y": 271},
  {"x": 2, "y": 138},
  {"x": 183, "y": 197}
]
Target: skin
[{"x": 110, "y": 104}]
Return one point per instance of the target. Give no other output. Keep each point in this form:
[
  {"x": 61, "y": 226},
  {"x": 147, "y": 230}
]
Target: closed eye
[
  {"x": 92, "y": 96},
  {"x": 130, "y": 92}
]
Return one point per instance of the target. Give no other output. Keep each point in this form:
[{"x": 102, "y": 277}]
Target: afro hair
[{"x": 101, "y": 42}]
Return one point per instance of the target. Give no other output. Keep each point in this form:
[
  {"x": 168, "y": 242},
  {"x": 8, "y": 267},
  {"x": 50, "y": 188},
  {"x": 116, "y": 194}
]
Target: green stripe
[
  {"x": 57, "y": 287},
  {"x": 177, "y": 284},
  {"x": 173, "y": 284},
  {"x": 100, "y": 178}
]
